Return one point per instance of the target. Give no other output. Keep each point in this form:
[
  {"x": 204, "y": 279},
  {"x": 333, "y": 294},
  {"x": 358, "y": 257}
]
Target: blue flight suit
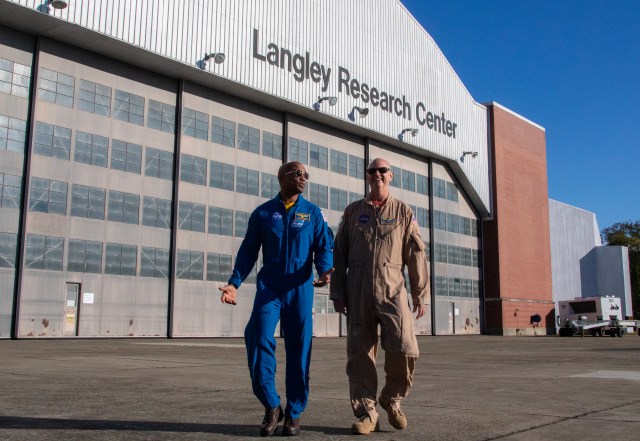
[{"x": 291, "y": 243}]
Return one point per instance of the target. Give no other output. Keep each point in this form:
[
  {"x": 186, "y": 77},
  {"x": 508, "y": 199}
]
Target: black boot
[
  {"x": 271, "y": 419},
  {"x": 291, "y": 426}
]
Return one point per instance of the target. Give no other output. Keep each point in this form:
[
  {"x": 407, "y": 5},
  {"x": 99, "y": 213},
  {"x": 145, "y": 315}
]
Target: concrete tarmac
[{"x": 465, "y": 388}]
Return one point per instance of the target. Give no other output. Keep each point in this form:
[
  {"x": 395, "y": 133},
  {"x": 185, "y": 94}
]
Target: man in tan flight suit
[{"x": 377, "y": 238}]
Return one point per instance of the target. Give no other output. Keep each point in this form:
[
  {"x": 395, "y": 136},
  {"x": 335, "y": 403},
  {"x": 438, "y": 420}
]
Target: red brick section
[{"x": 517, "y": 254}]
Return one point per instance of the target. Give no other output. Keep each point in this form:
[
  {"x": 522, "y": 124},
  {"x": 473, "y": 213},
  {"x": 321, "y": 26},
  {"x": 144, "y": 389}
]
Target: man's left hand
[
  {"x": 324, "y": 279},
  {"x": 420, "y": 310}
]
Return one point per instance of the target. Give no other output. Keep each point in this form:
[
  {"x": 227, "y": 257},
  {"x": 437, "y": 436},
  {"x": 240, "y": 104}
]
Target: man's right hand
[
  {"x": 340, "y": 306},
  {"x": 228, "y": 294}
]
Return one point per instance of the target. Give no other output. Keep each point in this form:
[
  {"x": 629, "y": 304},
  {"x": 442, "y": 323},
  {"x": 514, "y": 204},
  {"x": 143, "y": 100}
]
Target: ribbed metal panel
[{"x": 377, "y": 41}]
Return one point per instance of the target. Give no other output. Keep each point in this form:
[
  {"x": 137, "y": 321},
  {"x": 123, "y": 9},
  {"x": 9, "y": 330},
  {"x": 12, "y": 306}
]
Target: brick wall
[{"x": 516, "y": 242}]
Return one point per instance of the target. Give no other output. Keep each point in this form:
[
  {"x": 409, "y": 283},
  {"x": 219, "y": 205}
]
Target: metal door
[
  {"x": 71, "y": 310},
  {"x": 452, "y": 318}
]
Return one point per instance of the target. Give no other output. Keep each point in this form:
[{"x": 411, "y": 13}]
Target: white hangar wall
[
  {"x": 333, "y": 43},
  {"x": 187, "y": 189}
]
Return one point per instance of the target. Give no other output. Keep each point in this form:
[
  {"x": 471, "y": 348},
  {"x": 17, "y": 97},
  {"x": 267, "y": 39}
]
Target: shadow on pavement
[{"x": 35, "y": 423}]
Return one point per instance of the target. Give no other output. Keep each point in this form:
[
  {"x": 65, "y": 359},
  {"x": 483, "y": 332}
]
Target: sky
[{"x": 570, "y": 66}]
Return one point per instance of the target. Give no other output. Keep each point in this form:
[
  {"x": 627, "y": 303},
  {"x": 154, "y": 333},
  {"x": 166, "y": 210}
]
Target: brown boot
[
  {"x": 271, "y": 419},
  {"x": 396, "y": 416},
  {"x": 365, "y": 426}
]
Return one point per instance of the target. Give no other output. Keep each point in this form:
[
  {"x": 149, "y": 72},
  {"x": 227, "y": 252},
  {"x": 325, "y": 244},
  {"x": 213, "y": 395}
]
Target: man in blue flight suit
[{"x": 293, "y": 235}]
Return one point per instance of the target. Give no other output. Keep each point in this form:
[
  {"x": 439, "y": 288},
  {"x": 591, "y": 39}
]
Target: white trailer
[{"x": 595, "y": 315}]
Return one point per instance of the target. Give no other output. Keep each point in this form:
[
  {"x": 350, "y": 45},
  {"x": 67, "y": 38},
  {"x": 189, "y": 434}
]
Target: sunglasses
[
  {"x": 298, "y": 173},
  {"x": 381, "y": 170}
]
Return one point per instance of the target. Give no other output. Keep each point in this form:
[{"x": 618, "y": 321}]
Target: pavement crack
[{"x": 574, "y": 417}]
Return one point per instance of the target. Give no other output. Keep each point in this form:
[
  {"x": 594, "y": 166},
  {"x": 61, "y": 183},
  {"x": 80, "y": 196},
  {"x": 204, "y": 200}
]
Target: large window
[
  {"x": 161, "y": 116},
  {"x": 121, "y": 259},
  {"x": 190, "y": 265},
  {"x": 422, "y": 215},
  {"x": 248, "y": 139},
  {"x": 319, "y": 194},
  {"x": 356, "y": 167},
  {"x": 422, "y": 184},
  {"x": 129, "y": 107},
  {"x": 195, "y": 124},
  {"x": 56, "y": 87},
  {"x": 158, "y": 164},
  {"x": 52, "y": 141},
  {"x": 445, "y": 190},
  {"x": 452, "y": 192},
  {"x": 191, "y": 216},
  {"x": 339, "y": 162},
  {"x": 408, "y": 180},
  {"x": 220, "y": 221},
  {"x": 94, "y": 98},
  {"x": 10, "y": 186},
  {"x": 14, "y": 78},
  {"x": 44, "y": 252},
  {"x": 156, "y": 212},
  {"x": 298, "y": 151},
  {"x": 223, "y": 131},
  {"x": 457, "y": 287},
  {"x": 218, "y": 267},
  {"x": 13, "y": 133},
  {"x": 91, "y": 149},
  {"x": 87, "y": 201},
  {"x": 126, "y": 156},
  {"x": 272, "y": 145},
  {"x": 247, "y": 181},
  {"x": 455, "y": 223},
  {"x": 338, "y": 199},
  {"x": 242, "y": 221},
  {"x": 319, "y": 156},
  {"x": 48, "y": 196},
  {"x": 396, "y": 181},
  {"x": 439, "y": 219},
  {"x": 270, "y": 186},
  {"x": 8, "y": 247},
  {"x": 85, "y": 256},
  {"x": 124, "y": 207},
  {"x": 221, "y": 176},
  {"x": 193, "y": 169},
  {"x": 154, "y": 262}
]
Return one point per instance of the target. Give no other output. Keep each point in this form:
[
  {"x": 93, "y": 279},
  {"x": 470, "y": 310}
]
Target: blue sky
[{"x": 570, "y": 66}]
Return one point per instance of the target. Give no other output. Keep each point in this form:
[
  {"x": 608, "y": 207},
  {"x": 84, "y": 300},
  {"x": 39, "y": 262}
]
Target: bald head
[
  {"x": 289, "y": 166},
  {"x": 379, "y": 162}
]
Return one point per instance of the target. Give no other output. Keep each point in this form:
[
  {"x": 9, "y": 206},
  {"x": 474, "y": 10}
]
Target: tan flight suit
[{"x": 371, "y": 249}]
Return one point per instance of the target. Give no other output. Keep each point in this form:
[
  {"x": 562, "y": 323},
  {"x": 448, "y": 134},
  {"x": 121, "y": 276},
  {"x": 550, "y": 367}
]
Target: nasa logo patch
[
  {"x": 276, "y": 216},
  {"x": 364, "y": 218}
]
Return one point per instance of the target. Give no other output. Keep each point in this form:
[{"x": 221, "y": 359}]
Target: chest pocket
[
  {"x": 386, "y": 231},
  {"x": 299, "y": 228},
  {"x": 300, "y": 225},
  {"x": 275, "y": 223},
  {"x": 364, "y": 231}
]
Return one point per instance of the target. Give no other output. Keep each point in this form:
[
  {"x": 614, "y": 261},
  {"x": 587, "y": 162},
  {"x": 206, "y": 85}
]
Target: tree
[{"x": 628, "y": 234}]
